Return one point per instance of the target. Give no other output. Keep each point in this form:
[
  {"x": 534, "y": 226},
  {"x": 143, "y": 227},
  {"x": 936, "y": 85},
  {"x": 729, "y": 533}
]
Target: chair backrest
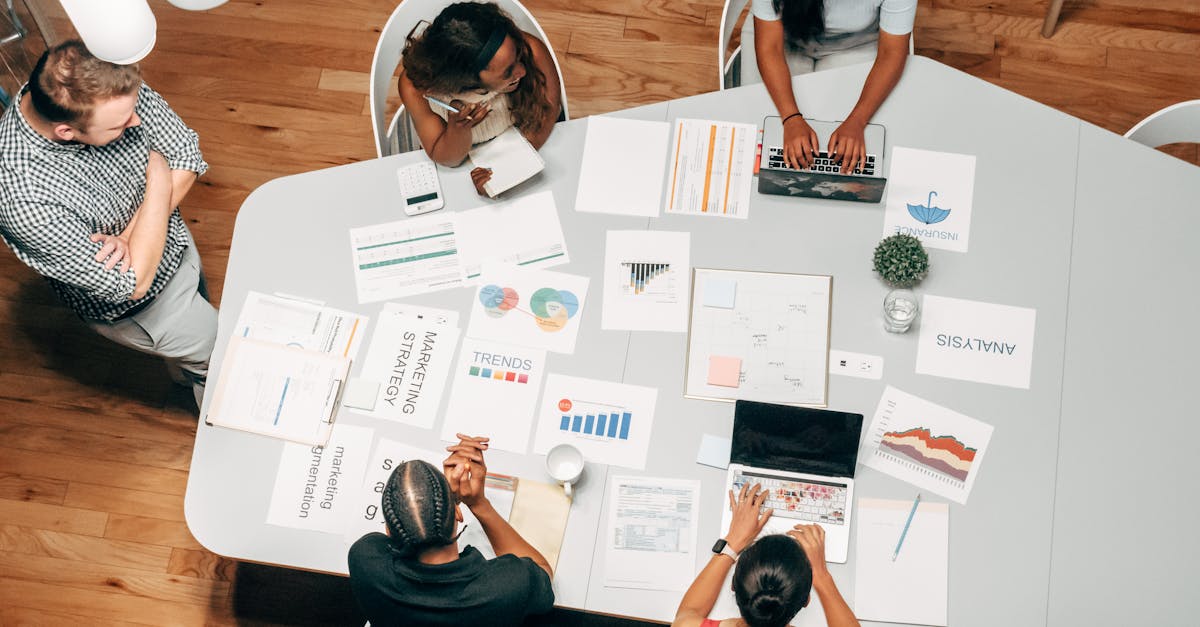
[
  {"x": 726, "y": 60},
  {"x": 397, "y": 134},
  {"x": 1177, "y": 123}
]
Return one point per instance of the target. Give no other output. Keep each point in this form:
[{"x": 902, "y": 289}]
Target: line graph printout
[
  {"x": 406, "y": 257},
  {"x": 776, "y": 324},
  {"x": 927, "y": 445},
  {"x": 646, "y": 279},
  {"x": 524, "y": 232},
  {"x": 712, "y": 166}
]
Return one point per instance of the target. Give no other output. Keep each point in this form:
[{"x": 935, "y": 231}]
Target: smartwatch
[{"x": 722, "y": 546}]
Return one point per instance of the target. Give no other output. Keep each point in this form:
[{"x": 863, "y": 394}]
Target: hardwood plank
[
  {"x": 201, "y": 564},
  {"x": 1180, "y": 19},
  {"x": 201, "y": 108},
  {"x": 224, "y": 67},
  {"x": 985, "y": 66},
  {"x": 150, "y": 530},
  {"x": 168, "y": 83},
  {"x": 19, "y": 435},
  {"x": 680, "y": 11},
  {"x": 53, "y": 517},
  {"x": 1177, "y": 66},
  {"x": 90, "y": 394},
  {"x": 965, "y": 41},
  {"x": 41, "y": 617},
  {"x": 105, "y": 498},
  {"x": 156, "y": 428},
  {"x": 87, "y": 470},
  {"x": 102, "y": 601},
  {"x": 99, "y": 577},
  {"x": 81, "y": 548},
  {"x": 33, "y": 489},
  {"x": 643, "y": 29},
  {"x": 1051, "y": 51}
]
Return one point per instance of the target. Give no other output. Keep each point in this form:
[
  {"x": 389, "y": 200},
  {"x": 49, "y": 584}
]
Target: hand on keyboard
[
  {"x": 748, "y": 516},
  {"x": 849, "y": 145},
  {"x": 800, "y": 143}
]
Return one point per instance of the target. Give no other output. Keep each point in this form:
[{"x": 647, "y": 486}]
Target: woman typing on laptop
[
  {"x": 800, "y": 36},
  {"x": 470, "y": 76},
  {"x": 773, "y": 576}
]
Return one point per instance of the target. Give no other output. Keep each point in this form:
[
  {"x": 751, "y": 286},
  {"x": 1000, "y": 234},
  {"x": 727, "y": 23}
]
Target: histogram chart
[
  {"x": 927, "y": 445},
  {"x": 607, "y": 422},
  {"x": 650, "y": 279}
]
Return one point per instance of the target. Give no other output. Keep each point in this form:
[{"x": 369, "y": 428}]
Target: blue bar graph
[{"x": 611, "y": 425}]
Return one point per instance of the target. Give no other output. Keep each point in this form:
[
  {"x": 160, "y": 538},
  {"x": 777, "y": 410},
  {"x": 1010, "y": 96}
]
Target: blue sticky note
[
  {"x": 714, "y": 451},
  {"x": 720, "y": 293}
]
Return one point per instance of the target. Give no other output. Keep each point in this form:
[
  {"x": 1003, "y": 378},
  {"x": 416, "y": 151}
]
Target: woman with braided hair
[{"x": 416, "y": 575}]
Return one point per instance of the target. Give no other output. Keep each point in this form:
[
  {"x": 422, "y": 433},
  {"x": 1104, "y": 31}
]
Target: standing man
[{"x": 93, "y": 165}]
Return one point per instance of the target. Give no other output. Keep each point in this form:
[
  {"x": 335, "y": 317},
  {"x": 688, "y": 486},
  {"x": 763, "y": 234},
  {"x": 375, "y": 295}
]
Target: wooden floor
[{"x": 95, "y": 441}]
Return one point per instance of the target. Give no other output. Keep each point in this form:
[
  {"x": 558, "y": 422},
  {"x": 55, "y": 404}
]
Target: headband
[{"x": 489, "y": 49}]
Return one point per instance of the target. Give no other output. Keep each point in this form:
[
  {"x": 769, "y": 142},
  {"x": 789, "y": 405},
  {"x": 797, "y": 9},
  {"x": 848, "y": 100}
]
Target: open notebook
[{"x": 512, "y": 159}]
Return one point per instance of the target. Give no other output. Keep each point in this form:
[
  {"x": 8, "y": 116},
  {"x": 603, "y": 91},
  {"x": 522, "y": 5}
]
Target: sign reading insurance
[{"x": 974, "y": 341}]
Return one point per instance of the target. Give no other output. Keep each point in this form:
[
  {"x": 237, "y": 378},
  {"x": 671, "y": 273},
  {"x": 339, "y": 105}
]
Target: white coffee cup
[{"x": 565, "y": 464}]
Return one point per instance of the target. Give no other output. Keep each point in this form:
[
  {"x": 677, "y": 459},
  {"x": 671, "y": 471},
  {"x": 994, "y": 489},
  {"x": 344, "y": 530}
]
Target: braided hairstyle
[
  {"x": 772, "y": 581},
  {"x": 418, "y": 508},
  {"x": 442, "y": 59},
  {"x": 803, "y": 20}
]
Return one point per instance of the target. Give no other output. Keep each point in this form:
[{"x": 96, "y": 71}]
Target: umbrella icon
[{"x": 927, "y": 213}]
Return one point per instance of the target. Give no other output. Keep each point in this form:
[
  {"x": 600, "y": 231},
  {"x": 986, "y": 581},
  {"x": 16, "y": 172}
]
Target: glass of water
[{"x": 899, "y": 310}]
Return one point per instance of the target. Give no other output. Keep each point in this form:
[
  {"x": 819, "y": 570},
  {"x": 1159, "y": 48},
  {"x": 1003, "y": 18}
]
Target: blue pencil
[
  {"x": 906, "y": 524},
  {"x": 445, "y": 105}
]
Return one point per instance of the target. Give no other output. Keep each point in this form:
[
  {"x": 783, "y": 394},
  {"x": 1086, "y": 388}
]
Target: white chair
[
  {"x": 1177, "y": 123},
  {"x": 729, "y": 63},
  {"x": 398, "y": 134}
]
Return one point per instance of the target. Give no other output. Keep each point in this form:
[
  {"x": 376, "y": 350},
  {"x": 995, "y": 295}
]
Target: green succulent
[{"x": 901, "y": 260}]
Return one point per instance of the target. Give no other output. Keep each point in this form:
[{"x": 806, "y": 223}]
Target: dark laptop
[{"x": 823, "y": 178}]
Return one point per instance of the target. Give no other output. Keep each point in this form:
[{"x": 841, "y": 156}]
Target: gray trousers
[{"x": 179, "y": 325}]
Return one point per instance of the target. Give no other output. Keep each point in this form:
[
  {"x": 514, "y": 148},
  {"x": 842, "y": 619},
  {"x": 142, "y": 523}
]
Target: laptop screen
[{"x": 796, "y": 439}]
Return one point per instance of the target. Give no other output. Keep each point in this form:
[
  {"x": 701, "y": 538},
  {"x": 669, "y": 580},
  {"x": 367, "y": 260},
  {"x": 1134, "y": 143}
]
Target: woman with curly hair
[{"x": 473, "y": 58}]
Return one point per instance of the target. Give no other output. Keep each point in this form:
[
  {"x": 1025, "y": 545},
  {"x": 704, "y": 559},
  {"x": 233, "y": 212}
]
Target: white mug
[{"x": 565, "y": 463}]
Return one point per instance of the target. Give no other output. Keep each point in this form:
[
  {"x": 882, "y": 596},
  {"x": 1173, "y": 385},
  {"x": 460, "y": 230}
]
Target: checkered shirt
[{"x": 53, "y": 197}]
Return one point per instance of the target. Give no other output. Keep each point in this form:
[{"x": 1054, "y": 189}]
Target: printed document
[
  {"x": 524, "y": 231},
  {"x": 365, "y": 516},
  {"x": 528, "y": 307},
  {"x": 315, "y": 485},
  {"x": 406, "y": 257},
  {"x": 929, "y": 197},
  {"x": 646, "y": 280},
  {"x": 973, "y": 341},
  {"x": 623, "y": 166},
  {"x": 712, "y": 167},
  {"x": 609, "y": 422},
  {"x": 650, "y": 539},
  {"x": 913, "y": 588},
  {"x": 495, "y": 390},
  {"x": 301, "y": 324}
]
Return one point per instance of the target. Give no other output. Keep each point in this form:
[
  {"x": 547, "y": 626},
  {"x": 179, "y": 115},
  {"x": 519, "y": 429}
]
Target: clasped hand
[{"x": 465, "y": 469}]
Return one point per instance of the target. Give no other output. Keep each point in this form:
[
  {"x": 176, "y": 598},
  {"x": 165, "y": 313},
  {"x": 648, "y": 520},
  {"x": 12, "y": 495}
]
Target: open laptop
[
  {"x": 805, "y": 457},
  {"x": 822, "y": 179}
]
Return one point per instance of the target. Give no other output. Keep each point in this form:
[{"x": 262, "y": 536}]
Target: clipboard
[{"x": 279, "y": 391}]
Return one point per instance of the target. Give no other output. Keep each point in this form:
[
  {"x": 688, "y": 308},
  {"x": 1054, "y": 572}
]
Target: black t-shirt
[{"x": 394, "y": 590}]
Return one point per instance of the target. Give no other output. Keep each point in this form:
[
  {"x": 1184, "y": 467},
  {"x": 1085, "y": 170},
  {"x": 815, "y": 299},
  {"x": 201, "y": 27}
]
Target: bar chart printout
[
  {"x": 609, "y": 422},
  {"x": 927, "y": 445},
  {"x": 646, "y": 280}
]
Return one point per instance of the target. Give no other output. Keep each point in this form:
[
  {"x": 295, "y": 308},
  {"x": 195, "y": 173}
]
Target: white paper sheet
[
  {"x": 778, "y": 327},
  {"x": 409, "y": 357},
  {"x": 650, "y": 539},
  {"x": 365, "y": 517},
  {"x": 524, "y": 231},
  {"x": 912, "y": 589},
  {"x": 929, "y": 196},
  {"x": 301, "y": 324},
  {"x": 512, "y": 159},
  {"x": 623, "y": 166},
  {"x": 406, "y": 257},
  {"x": 714, "y": 451},
  {"x": 528, "y": 307},
  {"x": 495, "y": 391},
  {"x": 609, "y": 422},
  {"x": 712, "y": 166},
  {"x": 974, "y": 341},
  {"x": 316, "y": 487},
  {"x": 927, "y": 445},
  {"x": 646, "y": 281}
]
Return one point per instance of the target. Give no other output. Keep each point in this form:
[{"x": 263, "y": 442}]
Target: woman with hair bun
[
  {"x": 415, "y": 575},
  {"x": 473, "y": 58},
  {"x": 773, "y": 576}
]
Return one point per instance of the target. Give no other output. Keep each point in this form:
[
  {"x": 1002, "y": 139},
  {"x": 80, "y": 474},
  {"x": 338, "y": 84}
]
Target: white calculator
[{"x": 420, "y": 188}]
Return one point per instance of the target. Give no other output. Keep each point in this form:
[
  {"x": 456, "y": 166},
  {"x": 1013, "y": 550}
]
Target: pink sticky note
[{"x": 724, "y": 371}]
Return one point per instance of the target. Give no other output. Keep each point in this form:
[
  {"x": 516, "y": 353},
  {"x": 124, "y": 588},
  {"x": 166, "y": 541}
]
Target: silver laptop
[
  {"x": 805, "y": 458},
  {"x": 823, "y": 178}
]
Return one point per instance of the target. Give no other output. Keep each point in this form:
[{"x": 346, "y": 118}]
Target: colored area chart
[
  {"x": 612, "y": 425},
  {"x": 941, "y": 454},
  {"x": 641, "y": 274}
]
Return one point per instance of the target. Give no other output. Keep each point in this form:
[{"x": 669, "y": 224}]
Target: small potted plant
[{"x": 901, "y": 262}]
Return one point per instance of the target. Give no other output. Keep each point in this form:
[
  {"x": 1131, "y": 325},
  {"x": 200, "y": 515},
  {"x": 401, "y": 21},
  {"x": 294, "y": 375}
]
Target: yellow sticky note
[{"x": 724, "y": 371}]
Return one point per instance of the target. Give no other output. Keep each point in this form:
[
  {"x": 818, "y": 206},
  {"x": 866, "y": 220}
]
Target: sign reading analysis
[{"x": 975, "y": 344}]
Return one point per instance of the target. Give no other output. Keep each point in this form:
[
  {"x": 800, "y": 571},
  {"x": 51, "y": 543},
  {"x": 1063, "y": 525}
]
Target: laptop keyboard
[
  {"x": 822, "y": 163},
  {"x": 812, "y": 501}
]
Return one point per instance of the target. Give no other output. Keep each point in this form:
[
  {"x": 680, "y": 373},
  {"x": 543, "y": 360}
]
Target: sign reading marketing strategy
[{"x": 974, "y": 341}]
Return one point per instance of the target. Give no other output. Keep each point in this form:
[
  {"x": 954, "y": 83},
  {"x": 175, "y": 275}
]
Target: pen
[
  {"x": 906, "y": 524},
  {"x": 445, "y": 105}
]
